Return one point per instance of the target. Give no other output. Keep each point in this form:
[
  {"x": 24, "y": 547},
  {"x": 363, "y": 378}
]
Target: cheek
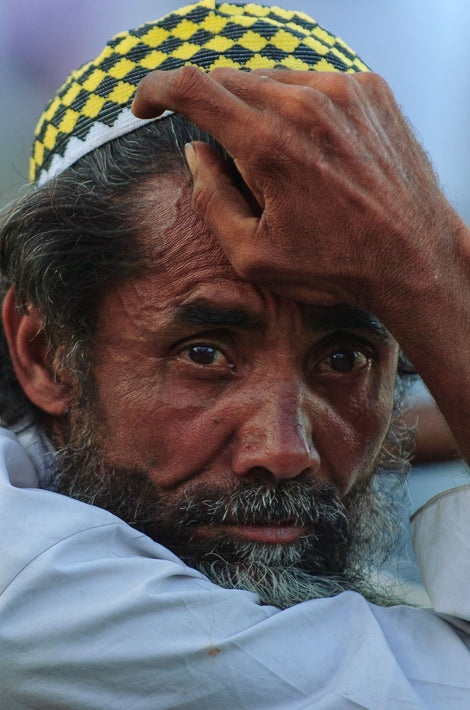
[
  {"x": 355, "y": 431},
  {"x": 159, "y": 425}
]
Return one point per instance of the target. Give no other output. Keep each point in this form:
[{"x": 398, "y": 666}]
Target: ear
[{"x": 31, "y": 358}]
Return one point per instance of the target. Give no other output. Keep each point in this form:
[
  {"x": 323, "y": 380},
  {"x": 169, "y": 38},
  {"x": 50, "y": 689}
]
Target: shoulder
[{"x": 35, "y": 523}]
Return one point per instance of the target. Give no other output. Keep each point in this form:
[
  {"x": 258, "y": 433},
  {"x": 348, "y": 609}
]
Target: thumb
[{"x": 222, "y": 207}]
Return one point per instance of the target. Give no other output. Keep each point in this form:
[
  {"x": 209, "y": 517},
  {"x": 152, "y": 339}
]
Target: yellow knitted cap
[{"x": 92, "y": 107}]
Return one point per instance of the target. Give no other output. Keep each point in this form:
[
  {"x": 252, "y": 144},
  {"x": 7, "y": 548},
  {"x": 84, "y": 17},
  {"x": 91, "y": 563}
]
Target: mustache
[{"x": 295, "y": 502}]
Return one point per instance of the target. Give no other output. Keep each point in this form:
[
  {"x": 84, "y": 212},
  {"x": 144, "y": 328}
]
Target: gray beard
[{"x": 346, "y": 541}]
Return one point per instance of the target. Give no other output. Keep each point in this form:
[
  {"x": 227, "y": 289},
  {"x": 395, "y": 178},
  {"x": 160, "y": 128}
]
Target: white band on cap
[{"x": 98, "y": 135}]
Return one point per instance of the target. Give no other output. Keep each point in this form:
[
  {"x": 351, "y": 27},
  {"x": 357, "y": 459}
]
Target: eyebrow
[
  {"x": 201, "y": 312},
  {"x": 345, "y": 317},
  {"x": 342, "y": 317}
]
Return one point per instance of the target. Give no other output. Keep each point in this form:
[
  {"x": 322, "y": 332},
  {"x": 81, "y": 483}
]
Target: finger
[
  {"x": 339, "y": 87},
  {"x": 181, "y": 90},
  {"x": 305, "y": 97},
  {"x": 202, "y": 100},
  {"x": 293, "y": 95},
  {"x": 162, "y": 90},
  {"x": 261, "y": 86},
  {"x": 330, "y": 82},
  {"x": 315, "y": 100},
  {"x": 219, "y": 204}
]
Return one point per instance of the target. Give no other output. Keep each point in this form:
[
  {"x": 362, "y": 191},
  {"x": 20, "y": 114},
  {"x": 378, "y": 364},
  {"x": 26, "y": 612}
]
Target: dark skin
[
  {"x": 331, "y": 160},
  {"x": 336, "y": 216},
  {"x": 206, "y": 381}
]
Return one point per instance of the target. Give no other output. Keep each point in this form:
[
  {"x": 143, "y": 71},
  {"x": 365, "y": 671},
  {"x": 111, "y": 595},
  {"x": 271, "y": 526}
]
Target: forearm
[
  {"x": 427, "y": 309},
  {"x": 434, "y": 440}
]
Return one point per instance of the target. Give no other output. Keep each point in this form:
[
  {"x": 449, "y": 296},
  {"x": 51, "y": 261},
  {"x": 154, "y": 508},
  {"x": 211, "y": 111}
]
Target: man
[{"x": 193, "y": 361}]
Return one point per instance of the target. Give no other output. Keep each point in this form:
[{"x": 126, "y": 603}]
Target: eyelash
[
  {"x": 349, "y": 344},
  {"x": 351, "y": 367},
  {"x": 208, "y": 347}
]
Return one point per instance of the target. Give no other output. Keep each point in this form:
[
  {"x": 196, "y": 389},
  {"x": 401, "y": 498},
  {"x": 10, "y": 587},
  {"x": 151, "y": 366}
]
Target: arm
[
  {"x": 434, "y": 440},
  {"x": 349, "y": 207}
]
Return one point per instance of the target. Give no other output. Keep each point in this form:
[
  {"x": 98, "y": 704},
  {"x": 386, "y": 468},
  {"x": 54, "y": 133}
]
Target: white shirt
[{"x": 95, "y": 615}]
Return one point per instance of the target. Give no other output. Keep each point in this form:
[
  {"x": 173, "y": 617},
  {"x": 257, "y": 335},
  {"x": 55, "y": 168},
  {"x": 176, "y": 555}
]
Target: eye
[
  {"x": 346, "y": 360},
  {"x": 205, "y": 355}
]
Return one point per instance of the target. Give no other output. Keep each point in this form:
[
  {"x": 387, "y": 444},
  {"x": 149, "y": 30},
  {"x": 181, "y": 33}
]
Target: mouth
[{"x": 268, "y": 534}]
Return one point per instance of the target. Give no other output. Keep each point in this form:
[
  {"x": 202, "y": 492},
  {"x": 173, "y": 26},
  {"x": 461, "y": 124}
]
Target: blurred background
[{"x": 422, "y": 47}]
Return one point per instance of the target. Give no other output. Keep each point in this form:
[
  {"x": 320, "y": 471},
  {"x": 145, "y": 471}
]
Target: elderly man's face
[{"x": 213, "y": 388}]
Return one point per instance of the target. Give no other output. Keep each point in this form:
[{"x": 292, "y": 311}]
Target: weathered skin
[
  {"x": 205, "y": 379},
  {"x": 349, "y": 207},
  {"x": 261, "y": 399}
]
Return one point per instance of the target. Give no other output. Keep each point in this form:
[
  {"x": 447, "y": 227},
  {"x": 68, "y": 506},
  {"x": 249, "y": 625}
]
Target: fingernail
[{"x": 191, "y": 157}]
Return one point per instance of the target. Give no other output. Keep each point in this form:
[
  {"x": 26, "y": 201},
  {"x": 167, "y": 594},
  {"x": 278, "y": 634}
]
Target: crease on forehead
[
  {"x": 220, "y": 302},
  {"x": 317, "y": 319},
  {"x": 204, "y": 287},
  {"x": 170, "y": 232}
]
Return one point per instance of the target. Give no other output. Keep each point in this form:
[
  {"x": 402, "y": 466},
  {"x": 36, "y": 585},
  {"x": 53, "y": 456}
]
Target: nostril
[{"x": 278, "y": 457}]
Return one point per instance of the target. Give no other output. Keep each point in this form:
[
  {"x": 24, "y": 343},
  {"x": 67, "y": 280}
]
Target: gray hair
[{"x": 64, "y": 244}]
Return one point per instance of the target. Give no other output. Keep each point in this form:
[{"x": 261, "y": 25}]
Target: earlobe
[{"x": 30, "y": 357}]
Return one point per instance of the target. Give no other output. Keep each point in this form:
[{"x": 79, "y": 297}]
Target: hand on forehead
[
  {"x": 327, "y": 156},
  {"x": 331, "y": 161}
]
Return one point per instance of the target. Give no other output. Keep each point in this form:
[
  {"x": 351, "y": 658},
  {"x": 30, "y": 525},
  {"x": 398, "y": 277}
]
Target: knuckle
[
  {"x": 252, "y": 262},
  {"x": 199, "y": 198},
  {"x": 333, "y": 88},
  {"x": 145, "y": 88},
  {"x": 220, "y": 73},
  {"x": 185, "y": 82},
  {"x": 302, "y": 95},
  {"x": 336, "y": 83},
  {"x": 370, "y": 78},
  {"x": 346, "y": 89},
  {"x": 337, "y": 80},
  {"x": 204, "y": 199},
  {"x": 375, "y": 84}
]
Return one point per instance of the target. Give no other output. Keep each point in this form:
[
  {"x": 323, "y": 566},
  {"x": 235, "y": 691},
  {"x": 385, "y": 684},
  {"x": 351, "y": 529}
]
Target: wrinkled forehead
[{"x": 189, "y": 281}]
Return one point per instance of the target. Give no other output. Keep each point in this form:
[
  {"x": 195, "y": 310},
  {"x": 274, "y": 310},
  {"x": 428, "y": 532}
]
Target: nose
[{"x": 275, "y": 438}]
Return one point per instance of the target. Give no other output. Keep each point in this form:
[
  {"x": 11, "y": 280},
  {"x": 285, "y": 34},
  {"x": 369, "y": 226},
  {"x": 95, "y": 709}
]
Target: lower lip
[{"x": 269, "y": 534}]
